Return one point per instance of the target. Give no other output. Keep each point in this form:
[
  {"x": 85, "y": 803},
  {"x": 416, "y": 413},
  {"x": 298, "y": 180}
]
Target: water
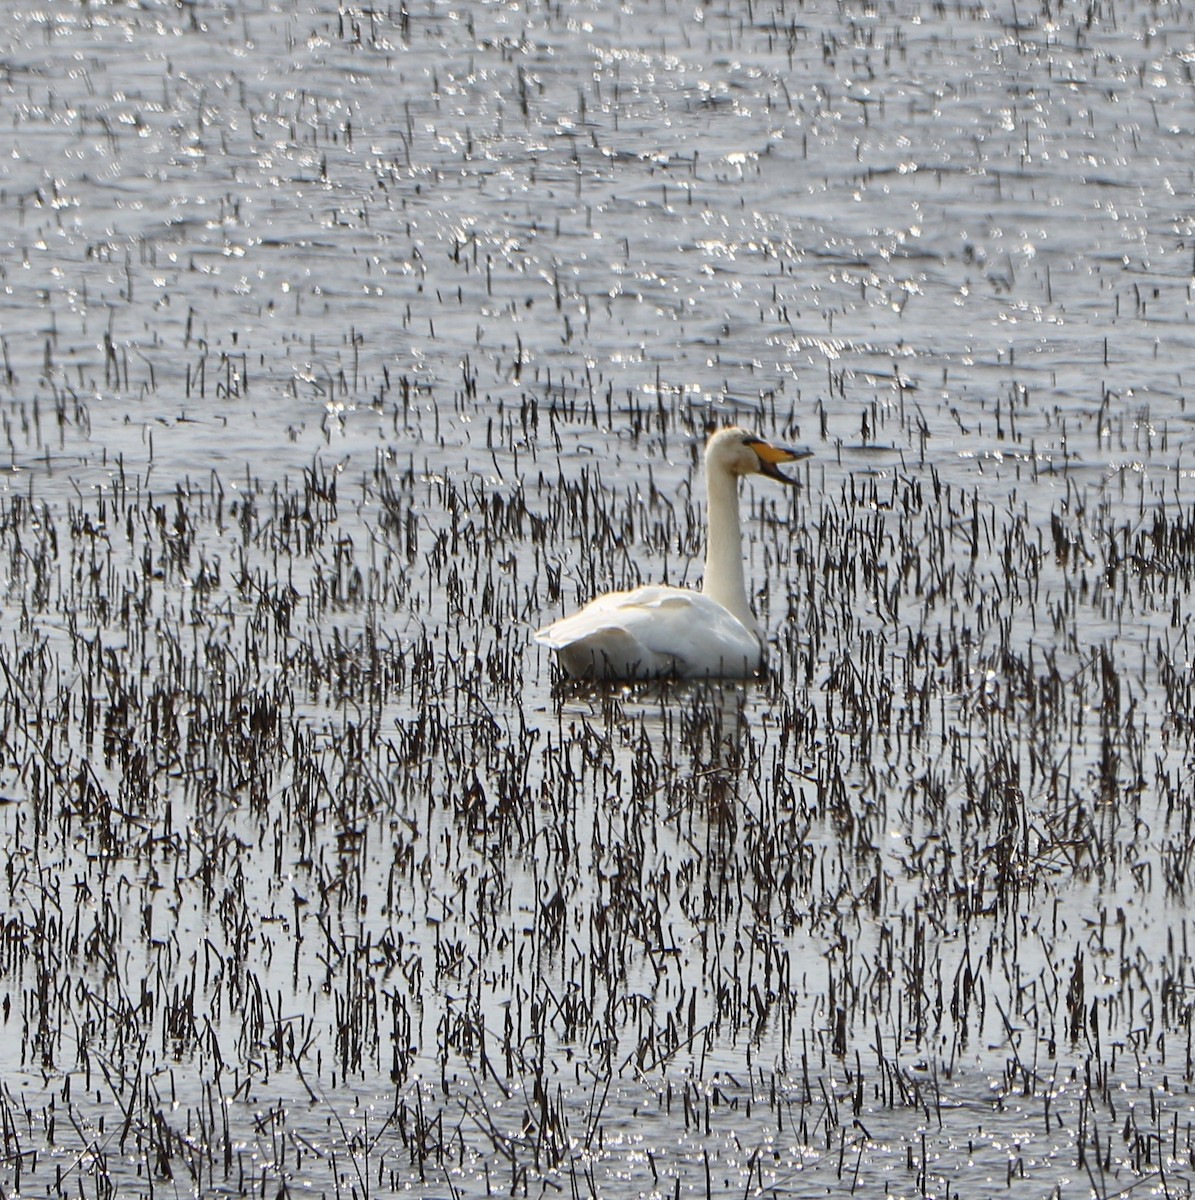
[{"x": 342, "y": 348}]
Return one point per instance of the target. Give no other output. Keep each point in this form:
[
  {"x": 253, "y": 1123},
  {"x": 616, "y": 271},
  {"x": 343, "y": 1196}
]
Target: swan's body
[{"x": 653, "y": 631}]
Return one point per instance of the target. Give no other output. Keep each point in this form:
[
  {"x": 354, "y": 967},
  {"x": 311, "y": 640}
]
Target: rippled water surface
[{"x": 344, "y": 347}]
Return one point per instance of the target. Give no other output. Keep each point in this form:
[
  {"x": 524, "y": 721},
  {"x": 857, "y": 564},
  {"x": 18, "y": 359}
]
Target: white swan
[{"x": 656, "y": 631}]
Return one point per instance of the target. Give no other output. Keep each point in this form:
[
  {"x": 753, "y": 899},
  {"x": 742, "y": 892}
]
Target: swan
[{"x": 667, "y": 631}]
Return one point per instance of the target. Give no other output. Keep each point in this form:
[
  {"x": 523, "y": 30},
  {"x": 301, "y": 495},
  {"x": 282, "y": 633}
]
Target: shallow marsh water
[{"x": 343, "y": 347}]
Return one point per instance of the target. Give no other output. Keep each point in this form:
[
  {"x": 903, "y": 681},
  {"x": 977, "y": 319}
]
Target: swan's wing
[
  {"x": 610, "y": 638},
  {"x": 653, "y": 631},
  {"x": 612, "y": 653}
]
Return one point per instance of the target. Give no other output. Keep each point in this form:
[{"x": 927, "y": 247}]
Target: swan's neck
[{"x": 724, "y": 548}]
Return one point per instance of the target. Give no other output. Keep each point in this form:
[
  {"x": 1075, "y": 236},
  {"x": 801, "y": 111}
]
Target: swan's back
[{"x": 652, "y": 632}]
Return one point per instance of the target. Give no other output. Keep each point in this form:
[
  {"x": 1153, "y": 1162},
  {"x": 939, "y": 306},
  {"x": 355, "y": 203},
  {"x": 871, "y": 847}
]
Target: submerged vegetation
[
  {"x": 337, "y": 362},
  {"x": 311, "y": 874}
]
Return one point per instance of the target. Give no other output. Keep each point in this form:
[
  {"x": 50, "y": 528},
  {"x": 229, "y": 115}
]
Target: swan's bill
[{"x": 771, "y": 457}]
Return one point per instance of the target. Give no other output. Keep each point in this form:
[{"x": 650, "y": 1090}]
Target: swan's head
[{"x": 739, "y": 452}]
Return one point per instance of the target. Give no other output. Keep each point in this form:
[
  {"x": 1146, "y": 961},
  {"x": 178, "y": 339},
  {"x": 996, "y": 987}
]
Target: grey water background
[{"x": 243, "y": 246}]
